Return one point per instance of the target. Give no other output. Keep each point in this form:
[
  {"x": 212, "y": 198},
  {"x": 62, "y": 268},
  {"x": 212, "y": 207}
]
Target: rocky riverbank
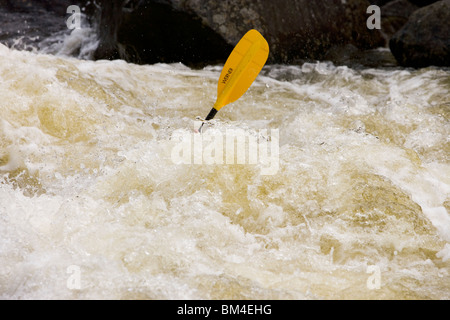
[{"x": 196, "y": 33}]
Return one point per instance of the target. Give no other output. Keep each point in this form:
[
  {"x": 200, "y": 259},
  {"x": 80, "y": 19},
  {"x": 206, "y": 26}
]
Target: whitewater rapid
[{"x": 93, "y": 205}]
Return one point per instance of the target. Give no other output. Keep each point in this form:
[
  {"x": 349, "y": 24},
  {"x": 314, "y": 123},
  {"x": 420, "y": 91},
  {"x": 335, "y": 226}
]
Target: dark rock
[
  {"x": 194, "y": 30},
  {"x": 394, "y": 15},
  {"x": 155, "y": 32},
  {"x": 422, "y": 3},
  {"x": 295, "y": 29},
  {"x": 419, "y": 3},
  {"x": 424, "y": 40},
  {"x": 379, "y": 2},
  {"x": 108, "y": 20},
  {"x": 351, "y": 56}
]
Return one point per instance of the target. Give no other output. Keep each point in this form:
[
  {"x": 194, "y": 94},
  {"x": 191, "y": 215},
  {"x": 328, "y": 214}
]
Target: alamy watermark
[
  {"x": 374, "y": 21},
  {"x": 74, "y": 280},
  {"x": 374, "y": 280},
  {"x": 232, "y": 147},
  {"x": 74, "y": 21}
]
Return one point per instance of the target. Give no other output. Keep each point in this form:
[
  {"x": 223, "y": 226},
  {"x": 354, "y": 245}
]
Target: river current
[{"x": 94, "y": 205}]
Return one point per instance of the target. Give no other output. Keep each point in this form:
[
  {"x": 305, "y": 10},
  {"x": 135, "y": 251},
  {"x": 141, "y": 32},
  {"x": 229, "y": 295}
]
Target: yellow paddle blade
[{"x": 242, "y": 67}]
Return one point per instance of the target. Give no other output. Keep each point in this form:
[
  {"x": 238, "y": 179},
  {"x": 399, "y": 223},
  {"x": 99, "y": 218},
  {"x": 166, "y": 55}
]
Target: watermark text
[
  {"x": 74, "y": 21},
  {"x": 232, "y": 147},
  {"x": 374, "y": 21}
]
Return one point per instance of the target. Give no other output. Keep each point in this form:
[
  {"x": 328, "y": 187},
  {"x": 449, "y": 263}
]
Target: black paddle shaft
[{"x": 211, "y": 114}]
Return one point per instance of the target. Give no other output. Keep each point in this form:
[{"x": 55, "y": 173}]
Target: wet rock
[
  {"x": 351, "y": 56},
  {"x": 151, "y": 31},
  {"x": 424, "y": 40},
  {"x": 394, "y": 15},
  {"x": 422, "y": 3},
  {"x": 295, "y": 29},
  {"x": 419, "y": 3},
  {"x": 379, "y": 2},
  {"x": 155, "y": 32}
]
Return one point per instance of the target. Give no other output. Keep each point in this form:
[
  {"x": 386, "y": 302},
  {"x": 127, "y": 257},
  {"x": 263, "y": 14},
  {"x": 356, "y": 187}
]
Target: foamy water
[{"x": 92, "y": 205}]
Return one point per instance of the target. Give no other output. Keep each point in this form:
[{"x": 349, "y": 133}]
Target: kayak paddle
[{"x": 241, "y": 69}]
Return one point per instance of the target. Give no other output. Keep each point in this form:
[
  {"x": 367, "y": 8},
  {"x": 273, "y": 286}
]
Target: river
[{"x": 93, "y": 204}]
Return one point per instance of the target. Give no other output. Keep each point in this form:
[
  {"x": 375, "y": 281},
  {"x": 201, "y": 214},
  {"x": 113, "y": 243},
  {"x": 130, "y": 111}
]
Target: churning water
[{"x": 92, "y": 205}]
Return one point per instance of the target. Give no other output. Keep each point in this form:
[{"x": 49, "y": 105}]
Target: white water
[{"x": 87, "y": 183}]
